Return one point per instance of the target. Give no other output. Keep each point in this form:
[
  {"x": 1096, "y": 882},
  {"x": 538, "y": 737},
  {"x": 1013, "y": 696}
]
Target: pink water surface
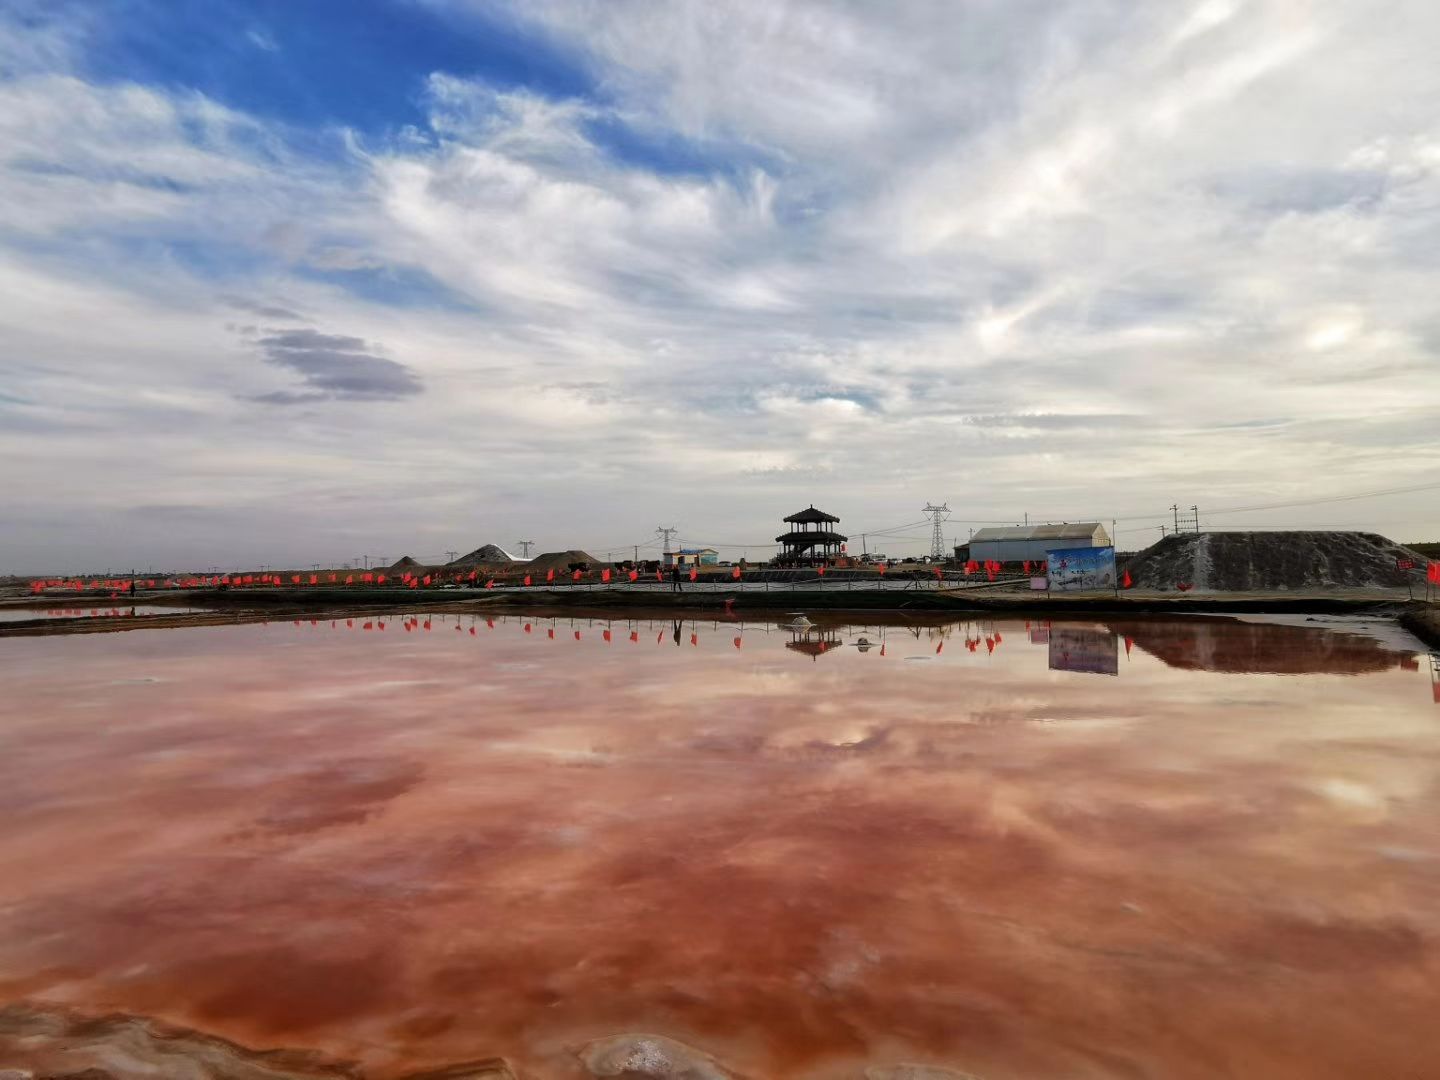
[{"x": 1144, "y": 849}]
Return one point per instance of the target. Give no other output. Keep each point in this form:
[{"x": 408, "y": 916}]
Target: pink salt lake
[{"x": 1151, "y": 848}]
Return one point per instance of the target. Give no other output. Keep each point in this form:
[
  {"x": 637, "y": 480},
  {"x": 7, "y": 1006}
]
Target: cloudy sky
[{"x": 287, "y": 283}]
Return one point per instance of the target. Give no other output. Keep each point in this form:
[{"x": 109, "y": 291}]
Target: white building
[{"x": 1018, "y": 543}]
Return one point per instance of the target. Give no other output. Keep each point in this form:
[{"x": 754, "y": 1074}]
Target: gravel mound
[
  {"x": 1271, "y": 561},
  {"x": 561, "y": 560},
  {"x": 485, "y": 555}
]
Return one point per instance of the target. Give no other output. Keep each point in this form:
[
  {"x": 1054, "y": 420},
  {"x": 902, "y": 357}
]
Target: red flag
[
  {"x": 938, "y": 574},
  {"x": 472, "y": 631},
  {"x": 939, "y": 647},
  {"x": 822, "y": 571},
  {"x": 1184, "y": 586},
  {"x": 735, "y": 573},
  {"x": 367, "y": 578},
  {"x": 694, "y": 639},
  {"x": 881, "y": 567},
  {"x": 527, "y": 579},
  {"x": 635, "y": 635},
  {"x": 659, "y": 637},
  {"x": 577, "y": 635},
  {"x": 349, "y": 579},
  {"x": 527, "y": 628},
  {"x": 550, "y": 574},
  {"x": 575, "y": 576},
  {"x": 605, "y": 575},
  {"x": 314, "y": 579},
  {"x": 332, "y": 577},
  {"x": 659, "y": 575},
  {"x": 1125, "y": 581},
  {"x": 736, "y": 643},
  {"x": 472, "y": 575},
  {"x": 426, "y": 580},
  {"x": 490, "y": 584},
  {"x": 971, "y": 567},
  {"x": 606, "y": 635},
  {"x": 1129, "y": 644},
  {"x": 379, "y": 579},
  {"x": 414, "y": 583},
  {"x": 550, "y": 633},
  {"x": 295, "y": 579},
  {"x": 634, "y": 575},
  {"x": 1432, "y": 573},
  {"x": 694, "y": 573},
  {"x": 882, "y": 648}
]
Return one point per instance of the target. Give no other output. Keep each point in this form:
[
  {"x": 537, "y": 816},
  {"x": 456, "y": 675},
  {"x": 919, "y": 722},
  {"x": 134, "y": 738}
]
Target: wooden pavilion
[{"x": 810, "y": 541}]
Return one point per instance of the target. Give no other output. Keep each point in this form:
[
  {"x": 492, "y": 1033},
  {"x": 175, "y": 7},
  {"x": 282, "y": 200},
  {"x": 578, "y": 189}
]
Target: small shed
[
  {"x": 692, "y": 557},
  {"x": 1021, "y": 543}
]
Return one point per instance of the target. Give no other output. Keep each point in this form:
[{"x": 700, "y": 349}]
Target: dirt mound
[
  {"x": 562, "y": 560},
  {"x": 484, "y": 555},
  {"x": 400, "y": 565},
  {"x": 1266, "y": 561}
]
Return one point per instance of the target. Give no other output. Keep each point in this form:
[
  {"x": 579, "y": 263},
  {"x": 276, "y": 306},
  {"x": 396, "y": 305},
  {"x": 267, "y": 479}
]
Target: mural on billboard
[{"x": 1081, "y": 569}]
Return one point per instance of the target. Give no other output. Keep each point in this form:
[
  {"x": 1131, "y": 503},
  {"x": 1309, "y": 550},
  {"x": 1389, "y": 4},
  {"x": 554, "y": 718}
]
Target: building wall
[
  {"x": 1021, "y": 550},
  {"x": 690, "y": 558}
]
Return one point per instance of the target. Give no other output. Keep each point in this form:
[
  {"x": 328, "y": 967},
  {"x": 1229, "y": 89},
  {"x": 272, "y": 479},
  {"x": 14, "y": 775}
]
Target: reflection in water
[
  {"x": 1078, "y": 648},
  {"x": 1234, "y": 646},
  {"x": 110, "y": 611},
  {"x": 412, "y": 841}
]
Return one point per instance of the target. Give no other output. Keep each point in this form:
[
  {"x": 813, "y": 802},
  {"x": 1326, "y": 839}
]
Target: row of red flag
[{"x": 116, "y": 586}]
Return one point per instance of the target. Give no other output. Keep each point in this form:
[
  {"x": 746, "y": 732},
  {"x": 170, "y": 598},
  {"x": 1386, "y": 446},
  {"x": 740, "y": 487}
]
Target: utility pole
[
  {"x": 452, "y": 555},
  {"x": 1196, "y": 511},
  {"x": 364, "y": 561},
  {"x": 937, "y": 534},
  {"x": 525, "y": 546},
  {"x": 1174, "y": 509}
]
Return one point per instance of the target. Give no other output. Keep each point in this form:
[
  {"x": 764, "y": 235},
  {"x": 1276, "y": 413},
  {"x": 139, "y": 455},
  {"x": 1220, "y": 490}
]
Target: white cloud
[{"x": 1040, "y": 257}]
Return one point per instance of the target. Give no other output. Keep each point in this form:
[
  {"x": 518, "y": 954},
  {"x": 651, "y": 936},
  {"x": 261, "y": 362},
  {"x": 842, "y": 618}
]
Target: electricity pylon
[{"x": 937, "y": 536}]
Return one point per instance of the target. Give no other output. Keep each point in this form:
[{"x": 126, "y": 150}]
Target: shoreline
[{"x": 232, "y": 607}]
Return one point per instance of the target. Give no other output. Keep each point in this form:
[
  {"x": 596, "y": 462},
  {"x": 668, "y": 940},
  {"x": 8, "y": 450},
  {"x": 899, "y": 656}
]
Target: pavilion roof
[{"x": 811, "y": 516}]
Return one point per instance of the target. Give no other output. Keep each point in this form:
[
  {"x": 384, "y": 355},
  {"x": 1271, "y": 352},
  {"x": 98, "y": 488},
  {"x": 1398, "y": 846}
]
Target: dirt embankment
[
  {"x": 1424, "y": 623},
  {"x": 1274, "y": 561}
]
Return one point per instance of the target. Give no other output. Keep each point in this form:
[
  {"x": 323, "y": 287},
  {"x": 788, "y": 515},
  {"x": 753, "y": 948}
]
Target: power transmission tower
[
  {"x": 665, "y": 535},
  {"x": 937, "y": 535},
  {"x": 452, "y": 555},
  {"x": 525, "y": 546}
]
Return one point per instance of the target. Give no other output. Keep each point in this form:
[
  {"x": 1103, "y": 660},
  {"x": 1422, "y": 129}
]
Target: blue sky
[{"x": 287, "y": 282}]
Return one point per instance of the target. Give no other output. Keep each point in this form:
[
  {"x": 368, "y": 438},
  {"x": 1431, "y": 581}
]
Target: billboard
[{"x": 1081, "y": 569}]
